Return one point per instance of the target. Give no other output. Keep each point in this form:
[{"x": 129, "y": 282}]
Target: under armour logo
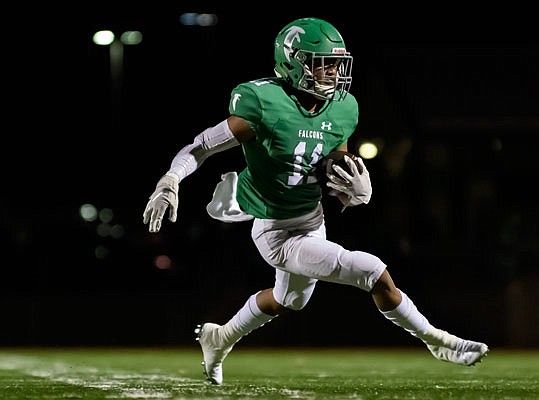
[{"x": 326, "y": 125}]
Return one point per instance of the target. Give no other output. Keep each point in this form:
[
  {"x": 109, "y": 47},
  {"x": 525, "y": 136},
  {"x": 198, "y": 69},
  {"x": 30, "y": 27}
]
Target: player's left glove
[
  {"x": 165, "y": 195},
  {"x": 351, "y": 188}
]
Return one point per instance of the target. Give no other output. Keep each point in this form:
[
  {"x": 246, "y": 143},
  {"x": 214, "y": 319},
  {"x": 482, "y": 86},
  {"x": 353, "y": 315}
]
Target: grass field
[{"x": 176, "y": 373}]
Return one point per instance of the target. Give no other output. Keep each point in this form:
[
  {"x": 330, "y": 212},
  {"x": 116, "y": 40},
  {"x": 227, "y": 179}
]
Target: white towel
[{"x": 224, "y": 205}]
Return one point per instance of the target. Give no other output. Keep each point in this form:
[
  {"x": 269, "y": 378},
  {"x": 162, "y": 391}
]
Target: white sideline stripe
[{"x": 64, "y": 373}]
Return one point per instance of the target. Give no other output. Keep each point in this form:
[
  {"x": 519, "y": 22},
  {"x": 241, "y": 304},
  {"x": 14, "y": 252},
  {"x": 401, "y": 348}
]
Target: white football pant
[{"x": 298, "y": 249}]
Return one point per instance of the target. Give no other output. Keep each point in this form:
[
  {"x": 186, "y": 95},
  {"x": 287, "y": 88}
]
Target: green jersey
[{"x": 279, "y": 180}]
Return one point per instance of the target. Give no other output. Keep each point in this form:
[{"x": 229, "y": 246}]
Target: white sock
[
  {"x": 408, "y": 317},
  {"x": 247, "y": 319}
]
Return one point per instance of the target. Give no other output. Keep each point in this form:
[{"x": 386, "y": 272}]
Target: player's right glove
[
  {"x": 165, "y": 195},
  {"x": 351, "y": 188}
]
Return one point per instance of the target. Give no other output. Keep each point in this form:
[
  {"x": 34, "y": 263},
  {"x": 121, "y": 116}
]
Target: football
[{"x": 322, "y": 167}]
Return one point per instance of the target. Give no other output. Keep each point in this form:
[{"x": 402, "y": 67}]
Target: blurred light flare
[
  {"x": 103, "y": 229},
  {"x": 88, "y": 212},
  {"x": 101, "y": 252},
  {"x": 107, "y": 37},
  {"x": 103, "y": 38},
  {"x": 163, "y": 262},
  {"x": 200, "y": 19},
  {"x": 106, "y": 215},
  {"x": 496, "y": 144},
  {"x": 368, "y": 150},
  {"x": 117, "y": 231},
  {"x": 131, "y": 37}
]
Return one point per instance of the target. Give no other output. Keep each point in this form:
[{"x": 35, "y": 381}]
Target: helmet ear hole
[
  {"x": 288, "y": 66},
  {"x": 292, "y": 75}
]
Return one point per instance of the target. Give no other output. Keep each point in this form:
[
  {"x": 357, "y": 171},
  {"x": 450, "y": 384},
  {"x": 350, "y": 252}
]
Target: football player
[{"x": 285, "y": 125}]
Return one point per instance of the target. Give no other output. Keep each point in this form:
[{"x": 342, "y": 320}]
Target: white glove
[
  {"x": 165, "y": 195},
  {"x": 351, "y": 189}
]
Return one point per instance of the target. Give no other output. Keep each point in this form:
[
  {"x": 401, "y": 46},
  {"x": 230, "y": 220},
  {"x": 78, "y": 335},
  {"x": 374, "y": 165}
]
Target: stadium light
[{"x": 116, "y": 53}]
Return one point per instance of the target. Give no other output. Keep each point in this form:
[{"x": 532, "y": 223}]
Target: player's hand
[
  {"x": 351, "y": 188},
  {"x": 165, "y": 195}
]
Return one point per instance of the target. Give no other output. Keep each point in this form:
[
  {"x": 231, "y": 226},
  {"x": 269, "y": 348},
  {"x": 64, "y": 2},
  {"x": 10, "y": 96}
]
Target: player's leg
[
  {"x": 313, "y": 256},
  {"x": 216, "y": 341},
  {"x": 396, "y": 306}
]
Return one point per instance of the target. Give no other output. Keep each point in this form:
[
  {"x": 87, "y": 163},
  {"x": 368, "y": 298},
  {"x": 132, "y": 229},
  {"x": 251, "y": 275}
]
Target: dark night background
[{"x": 450, "y": 95}]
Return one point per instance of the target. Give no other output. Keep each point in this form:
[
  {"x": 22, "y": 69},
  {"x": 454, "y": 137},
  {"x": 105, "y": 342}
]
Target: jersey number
[{"x": 297, "y": 177}]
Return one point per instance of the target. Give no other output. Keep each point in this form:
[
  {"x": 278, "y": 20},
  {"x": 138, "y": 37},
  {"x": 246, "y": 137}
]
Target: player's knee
[
  {"x": 275, "y": 309},
  {"x": 385, "y": 294},
  {"x": 296, "y": 306},
  {"x": 360, "y": 269},
  {"x": 384, "y": 283},
  {"x": 295, "y": 303}
]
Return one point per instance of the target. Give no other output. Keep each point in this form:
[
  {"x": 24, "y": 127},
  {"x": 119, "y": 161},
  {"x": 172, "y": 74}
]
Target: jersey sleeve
[{"x": 244, "y": 103}]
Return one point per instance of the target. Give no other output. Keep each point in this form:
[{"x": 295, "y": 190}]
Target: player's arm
[
  {"x": 223, "y": 136},
  {"x": 240, "y": 128}
]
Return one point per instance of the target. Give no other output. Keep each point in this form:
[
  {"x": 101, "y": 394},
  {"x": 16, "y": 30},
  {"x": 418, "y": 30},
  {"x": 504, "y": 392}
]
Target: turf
[{"x": 176, "y": 374}]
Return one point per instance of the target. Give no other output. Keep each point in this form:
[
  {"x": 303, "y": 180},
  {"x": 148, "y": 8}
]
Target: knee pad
[
  {"x": 359, "y": 269},
  {"x": 293, "y": 301},
  {"x": 296, "y": 306}
]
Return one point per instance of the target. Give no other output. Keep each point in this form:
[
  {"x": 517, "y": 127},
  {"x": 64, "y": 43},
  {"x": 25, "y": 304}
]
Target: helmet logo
[{"x": 291, "y": 35}]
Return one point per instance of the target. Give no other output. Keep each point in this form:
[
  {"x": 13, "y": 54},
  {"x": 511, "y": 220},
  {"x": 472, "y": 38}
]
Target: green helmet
[{"x": 311, "y": 56}]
